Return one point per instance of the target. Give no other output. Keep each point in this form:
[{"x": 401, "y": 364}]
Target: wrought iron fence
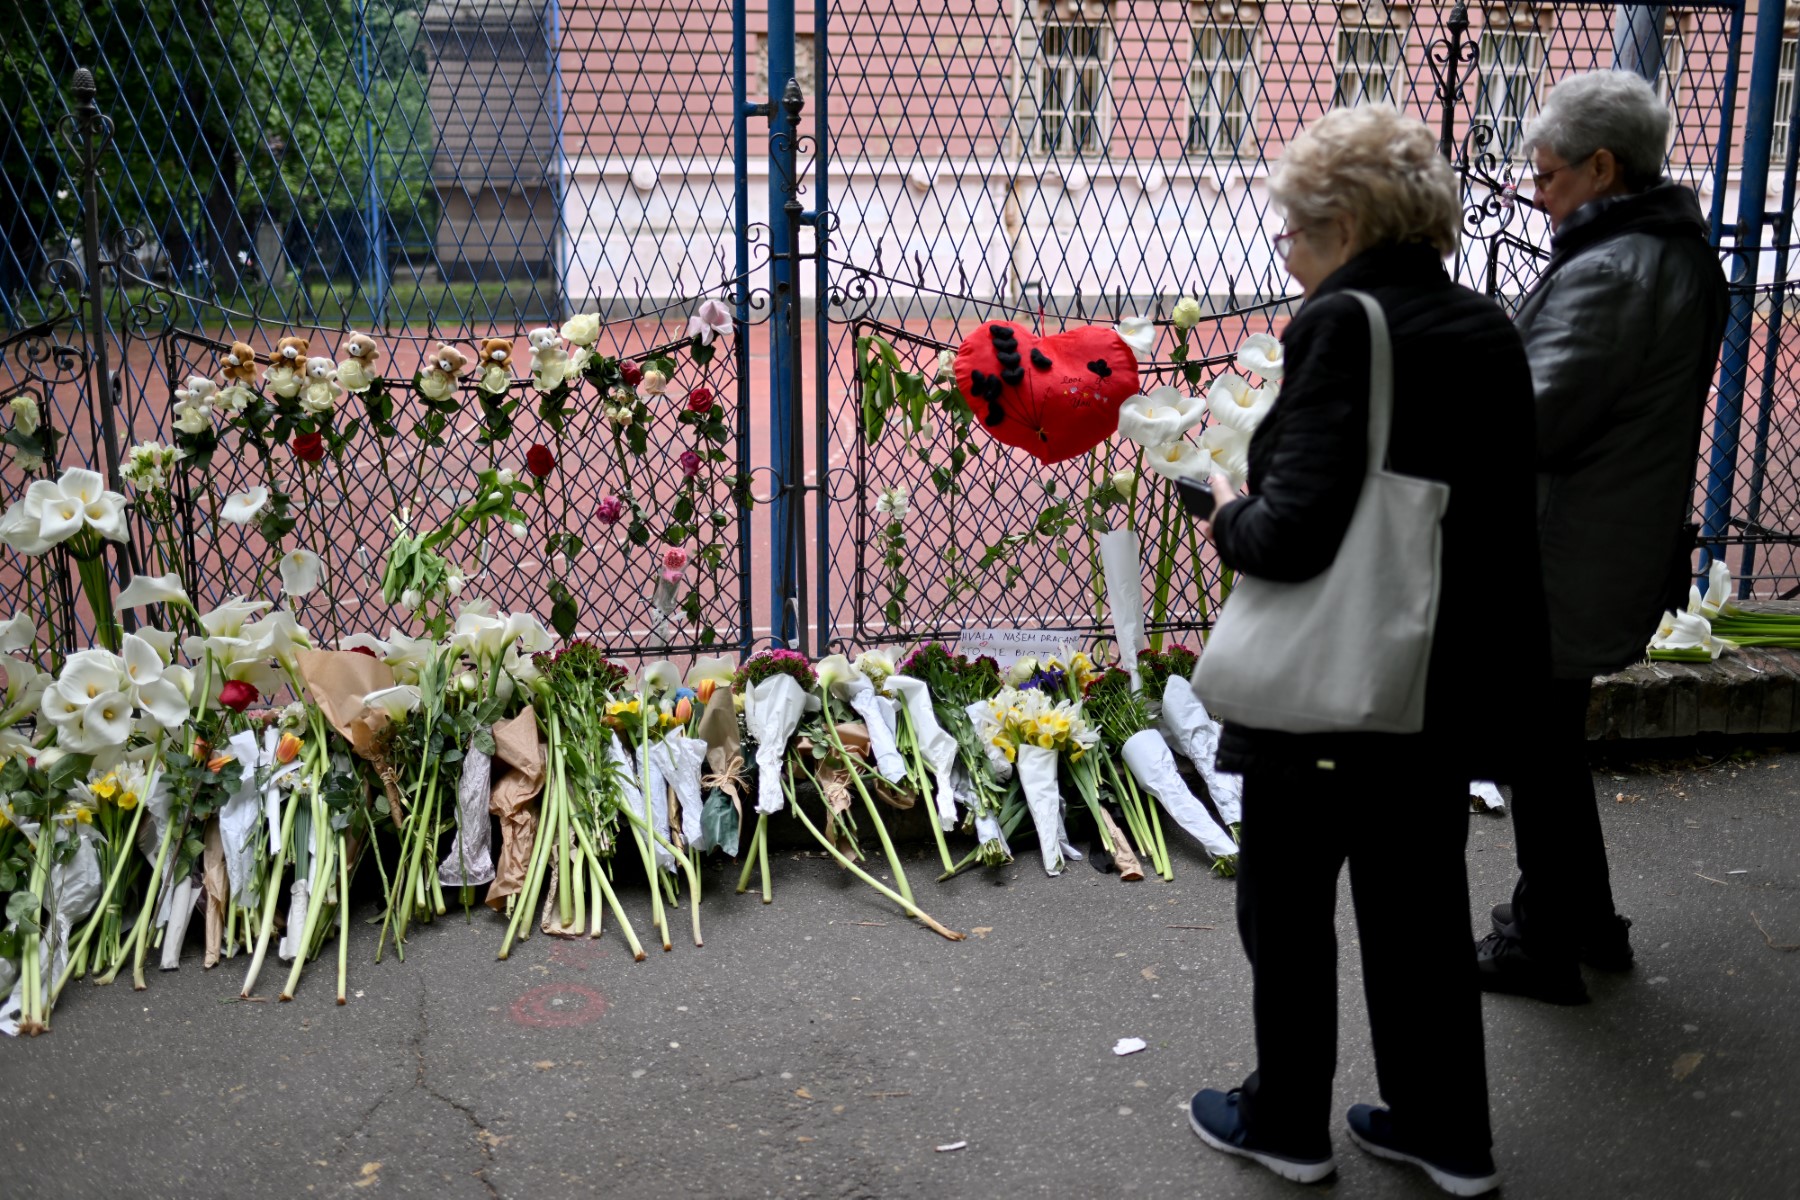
[{"x": 462, "y": 169}]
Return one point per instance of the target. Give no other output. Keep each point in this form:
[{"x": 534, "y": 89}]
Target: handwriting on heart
[{"x": 1055, "y": 397}]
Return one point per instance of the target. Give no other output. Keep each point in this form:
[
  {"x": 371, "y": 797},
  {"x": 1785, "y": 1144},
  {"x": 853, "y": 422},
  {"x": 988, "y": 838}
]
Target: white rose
[
  {"x": 318, "y": 398},
  {"x": 192, "y": 418},
  {"x": 505, "y": 475},
  {"x": 284, "y": 381},
  {"x": 1124, "y": 482},
  {"x": 467, "y": 682},
  {"x": 495, "y": 379},
  {"x": 946, "y": 371},
  {"x": 24, "y": 414},
  {"x": 28, "y": 462},
  {"x": 654, "y": 383},
  {"x": 233, "y": 400},
  {"x": 1187, "y": 313},
  {"x": 582, "y": 330},
  {"x": 353, "y": 376},
  {"x": 435, "y": 385},
  {"x": 1022, "y": 670},
  {"x": 619, "y": 414}
]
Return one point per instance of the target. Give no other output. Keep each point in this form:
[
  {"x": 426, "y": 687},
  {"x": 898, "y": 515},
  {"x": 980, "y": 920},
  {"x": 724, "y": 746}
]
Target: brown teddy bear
[
  {"x": 493, "y": 365},
  {"x": 239, "y": 363},
  {"x": 290, "y": 352},
  {"x": 446, "y": 360},
  {"x": 494, "y": 350},
  {"x": 362, "y": 348}
]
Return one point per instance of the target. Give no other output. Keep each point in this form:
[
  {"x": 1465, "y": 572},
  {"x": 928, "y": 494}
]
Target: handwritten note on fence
[{"x": 1007, "y": 646}]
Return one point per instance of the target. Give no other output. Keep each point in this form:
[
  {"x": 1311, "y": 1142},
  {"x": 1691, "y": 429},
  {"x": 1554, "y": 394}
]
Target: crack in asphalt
[{"x": 484, "y": 1138}]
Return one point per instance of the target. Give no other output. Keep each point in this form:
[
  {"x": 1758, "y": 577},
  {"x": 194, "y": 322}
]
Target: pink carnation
[{"x": 675, "y": 561}]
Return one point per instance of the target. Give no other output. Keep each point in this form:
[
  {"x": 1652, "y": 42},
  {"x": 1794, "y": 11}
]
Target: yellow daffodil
[
  {"x": 127, "y": 800},
  {"x": 84, "y": 814},
  {"x": 105, "y": 789}
]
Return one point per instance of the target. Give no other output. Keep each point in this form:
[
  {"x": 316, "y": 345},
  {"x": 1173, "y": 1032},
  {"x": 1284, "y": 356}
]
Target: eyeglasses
[
  {"x": 1541, "y": 179},
  {"x": 1284, "y": 242}
]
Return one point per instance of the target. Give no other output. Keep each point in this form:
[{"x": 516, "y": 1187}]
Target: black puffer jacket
[
  {"x": 1623, "y": 333},
  {"x": 1463, "y": 415}
]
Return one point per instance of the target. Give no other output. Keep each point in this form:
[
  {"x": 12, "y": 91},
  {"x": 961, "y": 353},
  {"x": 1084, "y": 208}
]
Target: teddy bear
[
  {"x": 493, "y": 358},
  {"x": 290, "y": 351},
  {"x": 549, "y": 361},
  {"x": 287, "y": 367},
  {"x": 320, "y": 392},
  {"x": 361, "y": 347},
  {"x": 437, "y": 374},
  {"x": 238, "y": 363},
  {"x": 356, "y": 373}
]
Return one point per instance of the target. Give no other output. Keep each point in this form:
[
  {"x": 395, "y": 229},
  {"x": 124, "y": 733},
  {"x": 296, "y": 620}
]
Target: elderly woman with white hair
[
  {"x": 1623, "y": 333},
  {"x": 1373, "y": 209}
]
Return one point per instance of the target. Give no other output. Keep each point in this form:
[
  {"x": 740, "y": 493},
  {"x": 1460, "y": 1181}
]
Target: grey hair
[{"x": 1605, "y": 110}]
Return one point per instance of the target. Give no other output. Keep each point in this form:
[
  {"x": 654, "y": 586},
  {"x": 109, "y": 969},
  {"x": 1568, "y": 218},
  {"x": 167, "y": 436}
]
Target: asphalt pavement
[{"x": 825, "y": 1046}]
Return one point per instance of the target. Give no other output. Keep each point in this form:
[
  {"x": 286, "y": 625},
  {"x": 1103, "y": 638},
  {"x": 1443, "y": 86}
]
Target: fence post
[
  {"x": 786, "y": 452},
  {"x": 1637, "y": 40},
  {"x": 90, "y": 133},
  {"x": 1734, "y": 369},
  {"x": 1446, "y": 57},
  {"x": 742, "y": 111}
]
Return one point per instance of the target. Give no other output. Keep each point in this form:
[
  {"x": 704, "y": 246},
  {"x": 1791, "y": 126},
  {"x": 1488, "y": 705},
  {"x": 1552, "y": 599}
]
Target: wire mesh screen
[
  {"x": 425, "y": 170},
  {"x": 1067, "y": 163}
]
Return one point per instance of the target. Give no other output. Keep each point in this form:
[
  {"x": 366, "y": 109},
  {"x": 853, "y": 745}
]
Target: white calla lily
[
  {"x": 301, "y": 571},
  {"x": 1228, "y": 450},
  {"x": 527, "y": 634},
  {"x": 480, "y": 636},
  {"x": 715, "y": 668},
  {"x": 1261, "y": 355},
  {"x": 1160, "y": 417},
  {"x": 18, "y": 633},
  {"x": 153, "y": 589},
  {"x": 105, "y": 724},
  {"x": 396, "y": 701},
  {"x": 1717, "y": 600},
  {"x": 241, "y": 508},
  {"x": 53, "y": 511},
  {"x": 1140, "y": 334},
  {"x": 837, "y": 673},
  {"x": 1234, "y": 403},
  {"x": 409, "y": 656},
  {"x": 661, "y": 678},
  {"x": 1688, "y": 631},
  {"x": 24, "y": 689},
  {"x": 1177, "y": 460},
  {"x": 161, "y": 640},
  {"x": 365, "y": 641}
]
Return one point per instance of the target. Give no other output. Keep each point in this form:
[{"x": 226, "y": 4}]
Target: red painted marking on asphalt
[{"x": 558, "y": 1006}]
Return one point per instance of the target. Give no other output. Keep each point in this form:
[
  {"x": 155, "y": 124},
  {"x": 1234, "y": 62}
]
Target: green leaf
[
  {"x": 563, "y": 613},
  {"x": 22, "y": 909},
  {"x": 483, "y": 740}
]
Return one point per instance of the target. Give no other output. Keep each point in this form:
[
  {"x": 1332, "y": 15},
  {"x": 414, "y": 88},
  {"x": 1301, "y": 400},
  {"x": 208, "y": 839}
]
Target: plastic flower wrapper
[
  {"x": 62, "y": 885},
  {"x": 845, "y": 681},
  {"x": 934, "y": 747},
  {"x": 1187, "y": 724},
  {"x": 774, "y": 685},
  {"x": 954, "y": 683},
  {"x": 1121, "y": 560},
  {"x": 1031, "y": 730}
]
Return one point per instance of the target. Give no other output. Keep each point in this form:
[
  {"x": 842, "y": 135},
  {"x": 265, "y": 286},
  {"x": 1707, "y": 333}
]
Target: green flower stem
[
  {"x": 762, "y": 822},
  {"x": 1095, "y": 573},
  {"x": 34, "y": 1014},
  {"x": 906, "y": 905},
  {"x": 270, "y": 900},
  {"x": 688, "y": 868},
  {"x": 324, "y": 866},
  {"x": 644, "y": 846},
  {"x": 105, "y": 906},
  {"x": 1162, "y": 847},
  {"x": 887, "y": 843},
  {"x": 925, "y": 786},
  {"x": 612, "y": 900},
  {"x": 1159, "y": 601},
  {"x": 1010, "y": 820}
]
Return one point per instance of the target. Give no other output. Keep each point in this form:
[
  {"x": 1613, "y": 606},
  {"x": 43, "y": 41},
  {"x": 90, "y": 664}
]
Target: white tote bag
[{"x": 1346, "y": 651}]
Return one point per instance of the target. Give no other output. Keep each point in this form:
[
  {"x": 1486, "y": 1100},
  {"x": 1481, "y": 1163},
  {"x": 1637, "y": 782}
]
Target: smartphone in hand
[{"x": 1197, "y": 497}]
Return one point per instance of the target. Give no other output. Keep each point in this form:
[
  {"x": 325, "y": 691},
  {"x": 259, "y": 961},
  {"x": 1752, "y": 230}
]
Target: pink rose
[
  {"x": 690, "y": 464},
  {"x": 609, "y": 510},
  {"x": 675, "y": 561}
]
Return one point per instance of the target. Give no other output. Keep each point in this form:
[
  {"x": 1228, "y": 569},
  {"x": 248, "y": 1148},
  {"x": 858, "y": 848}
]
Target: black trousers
[
  {"x": 1403, "y": 832},
  {"x": 1565, "y": 890}
]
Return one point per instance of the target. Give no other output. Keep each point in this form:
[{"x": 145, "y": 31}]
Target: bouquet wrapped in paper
[
  {"x": 1035, "y": 731},
  {"x": 1189, "y": 728},
  {"x": 937, "y": 690}
]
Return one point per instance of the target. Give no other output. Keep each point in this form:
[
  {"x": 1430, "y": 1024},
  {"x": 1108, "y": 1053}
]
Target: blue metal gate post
[
  {"x": 1759, "y": 129},
  {"x": 741, "y": 112},
  {"x": 789, "y": 467},
  {"x": 820, "y": 220},
  {"x": 374, "y": 232}
]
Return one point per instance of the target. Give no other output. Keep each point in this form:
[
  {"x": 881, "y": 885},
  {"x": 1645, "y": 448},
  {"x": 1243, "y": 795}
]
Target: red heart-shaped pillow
[{"x": 1054, "y": 397}]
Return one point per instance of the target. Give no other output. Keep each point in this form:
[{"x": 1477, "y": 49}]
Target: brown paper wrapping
[
  {"x": 218, "y": 892},
  {"x": 1130, "y": 870},
  {"x": 518, "y": 744},
  {"x": 338, "y": 680}
]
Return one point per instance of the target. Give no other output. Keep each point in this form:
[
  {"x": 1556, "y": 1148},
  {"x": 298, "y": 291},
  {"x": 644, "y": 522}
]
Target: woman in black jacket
[{"x": 1371, "y": 206}]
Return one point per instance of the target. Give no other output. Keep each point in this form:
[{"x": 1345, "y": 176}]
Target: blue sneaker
[
  {"x": 1469, "y": 1174},
  {"x": 1216, "y": 1117}
]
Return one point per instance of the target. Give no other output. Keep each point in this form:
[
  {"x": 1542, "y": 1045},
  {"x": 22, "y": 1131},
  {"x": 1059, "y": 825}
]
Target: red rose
[
  {"x": 630, "y": 372},
  {"x": 309, "y": 447},
  {"x": 700, "y": 399},
  {"x": 362, "y": 650},
  {"x": 237, "y": 695},
  {"x": 539, "y": 461}
]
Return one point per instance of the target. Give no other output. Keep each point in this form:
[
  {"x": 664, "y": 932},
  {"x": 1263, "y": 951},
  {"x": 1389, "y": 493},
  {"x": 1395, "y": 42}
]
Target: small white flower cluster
[
  {"x": 895, "y": 502},
  {"x": 148, "y": 465}
]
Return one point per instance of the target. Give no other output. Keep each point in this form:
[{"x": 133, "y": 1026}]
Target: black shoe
[
  {"x": 1216, "y": 1117},
  {"x": 1469, "y": 1174},
  {"x": 1605, "y": 949},
  {"x": 1503, "y": 966}
]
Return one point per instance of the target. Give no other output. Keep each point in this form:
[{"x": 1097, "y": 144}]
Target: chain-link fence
[{"x": 457, "y": 170}]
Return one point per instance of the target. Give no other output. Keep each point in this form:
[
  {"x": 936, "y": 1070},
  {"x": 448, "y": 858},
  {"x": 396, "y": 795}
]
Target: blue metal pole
[
  {"x": 1727, "y": 112},
  {"x": 784, "y": 315},
  {"x": 820, "y": 219},
  {"x": 560, "y": 163},
  {"x": 741, "y": 112},
  {"x": 1734, "y": 369},
  {"x": 375, "y": 270}
]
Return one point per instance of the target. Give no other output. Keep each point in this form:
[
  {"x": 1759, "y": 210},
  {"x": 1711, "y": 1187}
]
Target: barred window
[
  {"x": 1510, "y": 65},
  {"x": 1073, "y": 62},
  {"x": 1671, "y": 85},
  {"x": 1224, "y": 78},
  {"x": 1369, "y": 65},
  {"x": 1784, "y": 102}
]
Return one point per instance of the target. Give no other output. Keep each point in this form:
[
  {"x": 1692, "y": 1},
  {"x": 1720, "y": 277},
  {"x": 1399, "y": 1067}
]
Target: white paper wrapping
[
  {"x": 651, "y": 766},
  {"x": 183, "y": 901},
  {"x": 689, "y": 757},
  {"x": 471, "y": 859},
  {"x": 772, "y": 710},
  {"x": 1037, "y": 777},
  {"x": 1121, "y": 560},
  {"x": 880, "y": 722},
  {"x": 256, "y": 793},
  {"x": 1489, "y": 795},
  {"x": 74, "y": 889},
  {"x": 936, "y": 746},
  {"x": 1003, "y": 770},
  {"x": 1153, "y": 765},
  {"x": 626, "y": 773},
  {"x": 1191, "y": 728},
  {"x": 299, "y": 895}
]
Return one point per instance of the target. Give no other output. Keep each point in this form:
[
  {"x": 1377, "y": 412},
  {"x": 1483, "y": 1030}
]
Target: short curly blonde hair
[{"x": 1377, "y": 166}]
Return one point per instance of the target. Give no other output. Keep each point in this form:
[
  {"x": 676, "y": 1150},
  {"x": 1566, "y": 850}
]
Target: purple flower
[
  {"x": 609, "y": 511},
  {"x": 690, "y": 464}
]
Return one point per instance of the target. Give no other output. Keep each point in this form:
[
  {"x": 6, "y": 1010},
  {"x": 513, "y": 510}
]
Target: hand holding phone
[{"x": 1197, "y": 497}]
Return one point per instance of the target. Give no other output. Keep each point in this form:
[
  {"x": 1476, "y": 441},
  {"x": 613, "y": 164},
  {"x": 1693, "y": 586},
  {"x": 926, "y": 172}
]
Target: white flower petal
[
  {"x": 396, "y": 701},
  {"x": 1140, "y": 334},
  {"x": 1261, "y": 355},
  {"x": 301, "y": 571},
  {"x": 1160, "y": 417},
  {"x": 241, "y": 508},
  {"x": 153, "y": 589},
  {"x": 18, "y": 633}
]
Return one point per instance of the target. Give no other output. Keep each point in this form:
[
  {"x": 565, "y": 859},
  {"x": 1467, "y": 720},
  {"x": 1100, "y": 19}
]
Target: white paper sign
[{"x": 1007, "y": 646}]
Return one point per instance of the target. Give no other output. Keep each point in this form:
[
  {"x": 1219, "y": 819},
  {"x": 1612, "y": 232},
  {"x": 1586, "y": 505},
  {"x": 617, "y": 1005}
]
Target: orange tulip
[
  {"x": 288, "y": 749},
  {"x": 218, "y": 761},
  {"x": 684, "y": 709},
  {"x": 705, "y": 688}
]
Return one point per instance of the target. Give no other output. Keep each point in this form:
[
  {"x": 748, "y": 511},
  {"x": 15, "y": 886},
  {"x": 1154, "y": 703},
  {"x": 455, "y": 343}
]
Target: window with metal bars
[
  {"x": 1784, "y": 103},
  {"x": 1224, "y": 78},
  {"x": 1074, "y": 58},
  {"x": 1511, "y": 62},
  {"x": 1670, "y": 83},
  {"x": 1369, "y": 65}
]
